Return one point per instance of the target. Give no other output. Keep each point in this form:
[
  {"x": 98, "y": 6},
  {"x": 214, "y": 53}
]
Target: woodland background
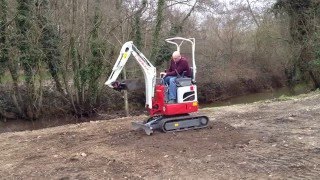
[{"x": 56, "y": 55}]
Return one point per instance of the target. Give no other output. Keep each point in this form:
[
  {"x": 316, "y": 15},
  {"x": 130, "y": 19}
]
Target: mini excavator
[{"x": 165, "y": 117}]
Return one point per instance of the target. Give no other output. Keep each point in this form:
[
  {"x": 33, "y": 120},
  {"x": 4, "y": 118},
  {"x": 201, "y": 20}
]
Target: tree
[
  {"x": 50, "y": 42},
  {"x": 303, "y": 15},
  {"x": 30, "y": 59},
  {"x": 156, "y": 33},
  {"x": 137, "y": 25},
  {"x": 162, "y": 51},
  {"x": 4, "y": 52},
  {"x": 95, "y": 67},
  {"x": 4, "y": 56}
]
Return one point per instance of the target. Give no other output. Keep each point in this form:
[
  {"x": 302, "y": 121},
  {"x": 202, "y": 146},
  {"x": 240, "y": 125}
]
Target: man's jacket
[{"x": 179, "y": 66}]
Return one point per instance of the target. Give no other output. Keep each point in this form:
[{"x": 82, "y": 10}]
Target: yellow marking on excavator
[
  {"x": 125, "y": 55},
  {"x": 176, "y": 124}
]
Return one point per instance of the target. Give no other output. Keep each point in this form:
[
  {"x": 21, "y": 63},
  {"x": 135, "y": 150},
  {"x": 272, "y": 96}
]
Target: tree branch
[{"x": 252, "y": 14}]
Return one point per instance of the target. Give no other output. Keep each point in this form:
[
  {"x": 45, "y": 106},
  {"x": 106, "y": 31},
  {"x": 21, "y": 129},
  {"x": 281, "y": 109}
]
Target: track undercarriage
[{"x": 172, "y": 123}]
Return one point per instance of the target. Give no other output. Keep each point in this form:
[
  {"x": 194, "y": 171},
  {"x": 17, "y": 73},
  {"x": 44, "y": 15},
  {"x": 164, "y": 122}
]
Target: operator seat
[{"x": 182, "y": 81}]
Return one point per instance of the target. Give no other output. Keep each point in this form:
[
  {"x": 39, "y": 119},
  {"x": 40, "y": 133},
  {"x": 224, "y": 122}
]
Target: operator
[{"x": 178, "y": 66}]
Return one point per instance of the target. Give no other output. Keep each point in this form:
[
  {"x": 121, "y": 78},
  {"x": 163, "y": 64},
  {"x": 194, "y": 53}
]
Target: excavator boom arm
[{"x": 149, "y": 71}]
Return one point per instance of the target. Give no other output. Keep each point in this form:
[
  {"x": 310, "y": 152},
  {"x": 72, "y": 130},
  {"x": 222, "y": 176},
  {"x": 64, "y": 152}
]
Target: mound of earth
[{"x": 276, "y": 139}]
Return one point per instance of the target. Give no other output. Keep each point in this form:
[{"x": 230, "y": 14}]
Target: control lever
[{"x": 162, "y": 75}]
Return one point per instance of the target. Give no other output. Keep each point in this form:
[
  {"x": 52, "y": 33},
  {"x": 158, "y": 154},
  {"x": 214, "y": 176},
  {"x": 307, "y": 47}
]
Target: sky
[{"x": 256, "y": 5}]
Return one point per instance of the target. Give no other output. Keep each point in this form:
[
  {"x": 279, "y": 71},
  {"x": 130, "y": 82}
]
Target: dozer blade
[{"x": 138, "y": 126}]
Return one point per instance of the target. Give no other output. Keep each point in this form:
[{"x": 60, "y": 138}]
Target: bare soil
[{"x": 276, "y": 139}]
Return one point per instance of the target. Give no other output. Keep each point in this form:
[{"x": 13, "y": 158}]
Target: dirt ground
[{"x": 275, "y": 139}]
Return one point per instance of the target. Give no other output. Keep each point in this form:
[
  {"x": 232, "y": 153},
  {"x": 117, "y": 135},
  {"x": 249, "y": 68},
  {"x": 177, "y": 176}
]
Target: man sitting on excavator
[{"x": 178, "y": 67}]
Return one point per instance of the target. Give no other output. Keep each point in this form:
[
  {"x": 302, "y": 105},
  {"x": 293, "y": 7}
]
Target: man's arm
[
  {"x": 168, "y": 71},
  {"x": 183, "y": 66},
  {"x": 170, "y": 67}
]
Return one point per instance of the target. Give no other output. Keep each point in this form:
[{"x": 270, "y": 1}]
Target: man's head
[{"x": 176, "y": 56}]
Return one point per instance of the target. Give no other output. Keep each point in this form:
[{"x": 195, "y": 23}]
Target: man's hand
[{"x": 162, "y": 74}]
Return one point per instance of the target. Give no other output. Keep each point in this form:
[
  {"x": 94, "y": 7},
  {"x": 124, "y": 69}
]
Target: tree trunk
[
  {"x": 156, "y": 34},
  {"x": 125, "y": 94},
  {"x": 137, "y": 25}
]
